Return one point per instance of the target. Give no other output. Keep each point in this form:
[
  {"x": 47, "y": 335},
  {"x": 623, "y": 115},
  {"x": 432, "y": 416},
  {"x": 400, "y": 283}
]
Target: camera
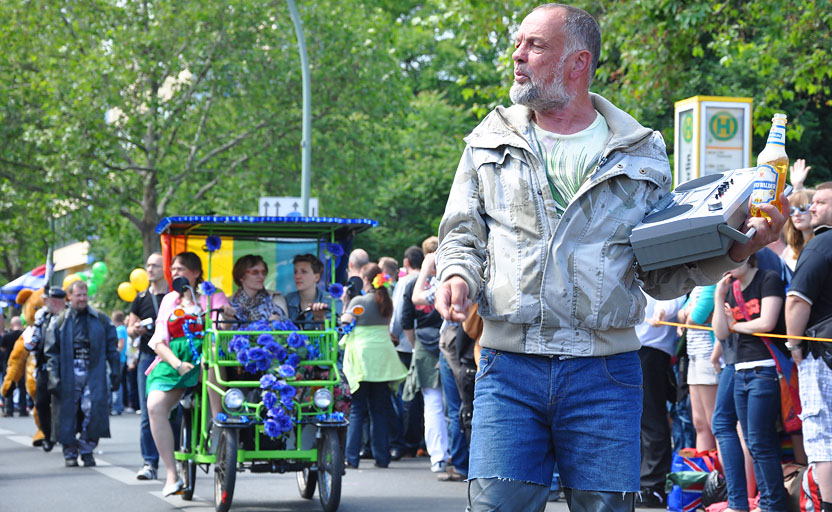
[
  {"x": 354, "y": 286},
  {"x": 147, "y": 323}
]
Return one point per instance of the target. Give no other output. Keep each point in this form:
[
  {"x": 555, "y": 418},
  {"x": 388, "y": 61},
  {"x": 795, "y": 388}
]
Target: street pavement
[{"x": 34, "y": 481}]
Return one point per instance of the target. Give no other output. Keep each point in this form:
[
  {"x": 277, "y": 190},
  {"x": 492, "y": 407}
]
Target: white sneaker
[
  {"x": 439, "y": 467},
  {"x": 146, "y": 473}
]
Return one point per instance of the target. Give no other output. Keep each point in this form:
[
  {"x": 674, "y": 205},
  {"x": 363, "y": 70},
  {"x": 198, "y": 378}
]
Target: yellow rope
[{"x": 767, "y": 335}]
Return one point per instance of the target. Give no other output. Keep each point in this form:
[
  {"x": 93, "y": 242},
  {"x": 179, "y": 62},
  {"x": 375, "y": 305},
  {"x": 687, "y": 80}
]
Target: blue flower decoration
[
  {"x": 242, "y": 357},
  {"x": 208, "y": 288},
  {"x": 312, "y": 352},
  {"x": 272, "y": 428},
  {"x": 268, "y": 381},
  {"x": 263, "y": 364},
  {"x": 238, "y": 343},
  {"x": 286, "y": 371},
  {"x": 284, "y": 423},
  {"x": 269, "y": 399},
  {"x": 257, "y": 354},
  {"x": 336, "y": 290},
  {"x": 293, "y": 360},
  {"x": 296, "y": 340},
  {"x": 287, "y": 402},
  {"x": 288, "y": 391},
  {"x": 260, "y": 325},
  {"x": 335, "y": 250},
  {"x": 213, "y": 243},
  {"x": 264, "y": 339}
]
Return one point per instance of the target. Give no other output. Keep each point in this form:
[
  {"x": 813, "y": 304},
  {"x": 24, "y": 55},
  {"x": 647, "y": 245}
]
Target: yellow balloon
[
  {"x": 138, "y": 278},
  {"x": 127, "y": 292},
  {"x": 68, "y": 280}
]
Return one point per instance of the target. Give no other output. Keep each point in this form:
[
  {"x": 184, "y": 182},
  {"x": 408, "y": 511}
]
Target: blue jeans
[
  {"x": 586, "y": 411},
  {"x": 371, "y": 400},
  {"x": 459, "y": 445},
  {"x": 148, "y": 446},
  {"x": 724, "y": 427},
  {"x": 757, "y": 398}
]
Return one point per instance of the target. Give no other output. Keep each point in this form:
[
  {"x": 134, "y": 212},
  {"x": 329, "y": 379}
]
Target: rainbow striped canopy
[{"x": 277, "y": 239}]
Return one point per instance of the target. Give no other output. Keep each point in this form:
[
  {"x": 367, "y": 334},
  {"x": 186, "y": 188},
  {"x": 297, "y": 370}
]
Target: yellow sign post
[{"x": 713, "y": 134}]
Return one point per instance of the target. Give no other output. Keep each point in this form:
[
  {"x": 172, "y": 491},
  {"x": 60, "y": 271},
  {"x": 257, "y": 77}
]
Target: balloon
[
  {"x": 92, "y": 288},
  {"x": 68, "y": 280},
  {"x": 138, "y": 278},
  {"x": 98, "y": 279},
  {"x": 84, "y": 276},
  {"x": 99, "y": 270},
  {"x": 127, "y": 292}
]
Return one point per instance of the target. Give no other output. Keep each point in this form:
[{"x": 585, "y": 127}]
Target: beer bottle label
[
  {"x": 777, "y": 135},
  {"x": 765, "y": 186}
]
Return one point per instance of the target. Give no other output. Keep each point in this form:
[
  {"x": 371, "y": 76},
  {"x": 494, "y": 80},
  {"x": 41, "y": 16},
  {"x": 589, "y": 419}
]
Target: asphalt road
[{"x": 34, "y": 481}]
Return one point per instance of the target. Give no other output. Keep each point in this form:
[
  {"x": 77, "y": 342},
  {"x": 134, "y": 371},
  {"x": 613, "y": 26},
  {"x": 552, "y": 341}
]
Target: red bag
[
  {"x": 789, "y": 394},
  {"x": 809, "y": 492}
]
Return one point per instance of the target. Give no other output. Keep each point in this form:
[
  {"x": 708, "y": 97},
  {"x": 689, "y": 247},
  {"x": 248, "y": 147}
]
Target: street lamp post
[{"x": 306, "y": 140}]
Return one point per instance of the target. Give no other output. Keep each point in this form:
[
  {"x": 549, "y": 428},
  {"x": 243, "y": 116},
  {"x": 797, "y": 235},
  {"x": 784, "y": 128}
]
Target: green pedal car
[{"x": 283, "y": 396}]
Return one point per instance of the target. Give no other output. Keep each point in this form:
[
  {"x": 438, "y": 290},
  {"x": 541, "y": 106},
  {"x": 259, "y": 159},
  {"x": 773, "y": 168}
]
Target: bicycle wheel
[
  {"x": 187, "y": 468},
  {"x": 306, "y": 483},
  {"x": 330, "y": 470},
  {"x": 225, "y": 470}
]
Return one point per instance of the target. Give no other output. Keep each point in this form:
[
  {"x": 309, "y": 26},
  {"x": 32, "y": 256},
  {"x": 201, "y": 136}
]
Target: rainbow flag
[{"x": 218, "y": 266}]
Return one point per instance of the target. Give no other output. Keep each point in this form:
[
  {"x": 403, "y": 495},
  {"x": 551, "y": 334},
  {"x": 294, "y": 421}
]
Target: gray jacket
[{"x": 559, "y": 285}]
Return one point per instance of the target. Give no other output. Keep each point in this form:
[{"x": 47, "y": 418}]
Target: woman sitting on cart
[
  {"x": 252, "y": 302},
  {"x": 309, "y": 303},
  {"x": 177, "y": 341},
  {"x": 372, "y": 367}
]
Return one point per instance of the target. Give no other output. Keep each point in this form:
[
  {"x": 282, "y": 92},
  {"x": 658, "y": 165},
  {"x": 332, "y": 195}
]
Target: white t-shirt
[{"x": 569, "y": 159}]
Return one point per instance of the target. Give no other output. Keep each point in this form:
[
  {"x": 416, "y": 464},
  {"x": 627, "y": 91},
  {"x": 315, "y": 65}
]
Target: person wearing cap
[{"x": 54, "y": 301}]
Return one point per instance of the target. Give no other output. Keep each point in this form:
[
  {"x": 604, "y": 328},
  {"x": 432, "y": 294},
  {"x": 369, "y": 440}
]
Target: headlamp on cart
[
  {"x": 233, "y": 399},
  {"x": 322, "y": 398}
]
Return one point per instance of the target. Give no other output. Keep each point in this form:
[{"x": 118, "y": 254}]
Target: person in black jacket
[{"x": 80, "y": 342}]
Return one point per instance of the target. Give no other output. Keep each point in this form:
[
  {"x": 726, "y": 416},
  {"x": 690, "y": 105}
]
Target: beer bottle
[{"x": 772, "y": 163}]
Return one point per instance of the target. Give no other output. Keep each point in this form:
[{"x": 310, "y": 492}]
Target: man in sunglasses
[{"x": 809, "y": 304}]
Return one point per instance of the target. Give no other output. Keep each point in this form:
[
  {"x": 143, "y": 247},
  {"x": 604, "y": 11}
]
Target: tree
[{"x": 141, "y": 106}]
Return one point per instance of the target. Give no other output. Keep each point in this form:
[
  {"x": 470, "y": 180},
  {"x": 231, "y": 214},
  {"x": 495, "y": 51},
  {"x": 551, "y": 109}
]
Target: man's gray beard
[{"x": 550, "y": 97}]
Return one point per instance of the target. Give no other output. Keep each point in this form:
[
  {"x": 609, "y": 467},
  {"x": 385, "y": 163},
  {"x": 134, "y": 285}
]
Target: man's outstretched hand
[{"x": 452, "y": 299}]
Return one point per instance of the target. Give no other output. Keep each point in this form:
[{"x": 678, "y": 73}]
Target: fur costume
[{"x": 20, "y": 360}]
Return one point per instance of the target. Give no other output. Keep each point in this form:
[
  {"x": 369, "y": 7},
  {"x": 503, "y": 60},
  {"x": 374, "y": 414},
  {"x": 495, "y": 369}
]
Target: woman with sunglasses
[
  {"x": 252, "y": 301},
  {"x": 177, "y": 341},
  {"x": 797, "y": 230}
]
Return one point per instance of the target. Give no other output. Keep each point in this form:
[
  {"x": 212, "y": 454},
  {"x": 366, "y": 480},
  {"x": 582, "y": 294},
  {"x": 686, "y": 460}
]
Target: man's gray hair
[{"x": 582, "y": 33}]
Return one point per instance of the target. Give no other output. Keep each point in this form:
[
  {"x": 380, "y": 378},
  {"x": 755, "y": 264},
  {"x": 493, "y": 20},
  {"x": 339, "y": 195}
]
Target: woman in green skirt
[{"x": 177, "y": 340}]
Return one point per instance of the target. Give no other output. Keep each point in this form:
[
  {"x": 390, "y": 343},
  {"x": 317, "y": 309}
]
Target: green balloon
[
  {"x": 92, "y": 288},
  {"x": 97, "y": 280},
  {"x": 84, "y": 276},
  {"x": 99, "y": 269}
]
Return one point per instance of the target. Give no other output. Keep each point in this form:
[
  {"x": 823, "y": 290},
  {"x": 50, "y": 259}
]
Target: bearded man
[{"x": 536, "y": 229}]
